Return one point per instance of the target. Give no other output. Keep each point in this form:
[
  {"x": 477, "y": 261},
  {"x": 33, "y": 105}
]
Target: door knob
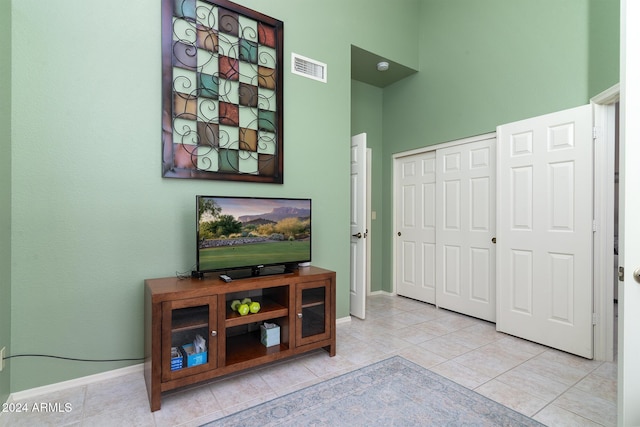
[
  {"x": 636, "y": 275},
  {"x": 358, "y": 235},
  {"x": 493, "y": 240},
  {"x": 214, "y": 333},
  {"x": 399, "y": 233}
]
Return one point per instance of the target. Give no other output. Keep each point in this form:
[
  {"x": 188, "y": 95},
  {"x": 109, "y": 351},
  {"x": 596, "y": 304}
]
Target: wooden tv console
[{"x": 302, "y": 304}]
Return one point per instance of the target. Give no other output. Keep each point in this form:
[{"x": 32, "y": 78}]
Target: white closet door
[
  {"x": 414, "y": 186},
  {"x": 544, "y": 230},
  {"x": 465, "y": 227}
]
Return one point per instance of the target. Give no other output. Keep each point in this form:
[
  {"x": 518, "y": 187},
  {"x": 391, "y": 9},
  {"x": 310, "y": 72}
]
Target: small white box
[{"x": 270, "y": 336}]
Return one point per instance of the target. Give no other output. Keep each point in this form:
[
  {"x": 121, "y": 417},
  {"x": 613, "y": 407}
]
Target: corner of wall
[
  {"x": 603, "y": 45},
  {"x": 5, "y": 192}
]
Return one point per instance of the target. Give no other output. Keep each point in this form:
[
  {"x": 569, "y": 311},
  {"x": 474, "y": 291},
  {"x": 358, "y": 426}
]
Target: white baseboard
[
  {"x": 382, "y": 293},
  {"x": 77, "y": 382},
  {"x": 343, "y": 320}
]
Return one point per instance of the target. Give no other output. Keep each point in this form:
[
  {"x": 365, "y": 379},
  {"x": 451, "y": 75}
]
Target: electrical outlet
[{"x": 2, "y": 354}]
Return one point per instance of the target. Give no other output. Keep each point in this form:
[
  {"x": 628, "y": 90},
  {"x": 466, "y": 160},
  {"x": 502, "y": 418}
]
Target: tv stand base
[
  {"x": 246, "y": 273},
  {"x": 302, "y": 304}
]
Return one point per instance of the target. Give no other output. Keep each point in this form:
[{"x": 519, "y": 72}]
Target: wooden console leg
[
  {"x": 331, "y": 349},
  {"x": 155, "y": 400}
]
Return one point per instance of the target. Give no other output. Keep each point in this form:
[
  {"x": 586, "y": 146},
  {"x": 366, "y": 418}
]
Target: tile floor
[{"x": 554, "y": 388}]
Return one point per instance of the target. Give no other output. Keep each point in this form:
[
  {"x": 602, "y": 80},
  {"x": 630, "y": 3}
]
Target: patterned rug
[{"x": 394, "y": 392}]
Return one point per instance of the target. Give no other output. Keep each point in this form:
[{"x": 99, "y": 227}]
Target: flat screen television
[{"x": 250, "y": 236}]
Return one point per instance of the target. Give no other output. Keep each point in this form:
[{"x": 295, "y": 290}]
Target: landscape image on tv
[{"x": 236, "y": 232}]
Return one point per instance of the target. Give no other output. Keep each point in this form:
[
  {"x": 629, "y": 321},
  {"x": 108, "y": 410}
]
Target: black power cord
[
  {"x": 73, "y": 358},
  {"x": 180, "y": 275},
  {"x": 185, "y": 274}
]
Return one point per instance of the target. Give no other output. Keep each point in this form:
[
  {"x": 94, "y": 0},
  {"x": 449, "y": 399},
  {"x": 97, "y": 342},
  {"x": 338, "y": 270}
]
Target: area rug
[{"x": 393, "y": 392}]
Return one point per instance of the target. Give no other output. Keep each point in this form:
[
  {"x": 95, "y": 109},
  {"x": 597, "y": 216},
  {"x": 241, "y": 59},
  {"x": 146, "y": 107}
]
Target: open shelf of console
[
  {"x": 268, "y": 310},
  {"x": 243, "y": 348}
]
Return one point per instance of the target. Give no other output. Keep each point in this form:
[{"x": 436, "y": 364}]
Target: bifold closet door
[
  {"x": 545, "y": 230},
  {"x": 465, "y": 229},
  {"x": 414, "y": 186}
]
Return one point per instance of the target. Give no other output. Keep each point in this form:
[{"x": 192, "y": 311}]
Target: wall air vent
[{"x": 308, "y": 68}]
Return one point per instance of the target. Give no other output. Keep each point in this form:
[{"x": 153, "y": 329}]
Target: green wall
[
  {"x": 91, "y": 215},
  {"x": 486, "y": 63},
  {"x": 366, "y": 117},
  {"x": 5, "y": 190},
  {"x": 604, "y": 44}
]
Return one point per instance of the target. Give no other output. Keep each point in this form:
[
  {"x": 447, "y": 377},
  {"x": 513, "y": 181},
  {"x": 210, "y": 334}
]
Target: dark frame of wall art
[{"x": 221, "y": 92}]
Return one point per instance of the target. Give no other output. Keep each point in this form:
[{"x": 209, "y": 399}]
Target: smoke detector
[{"x": 382, "y": 66}]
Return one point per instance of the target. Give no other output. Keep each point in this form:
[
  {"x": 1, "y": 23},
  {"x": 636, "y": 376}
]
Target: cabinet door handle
[
  {"x": 299, "y": 315},
  {"x": 214, "y": 333}
]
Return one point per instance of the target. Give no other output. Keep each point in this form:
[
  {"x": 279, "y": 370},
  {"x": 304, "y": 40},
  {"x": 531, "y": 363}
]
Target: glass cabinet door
[
  {"x": 189, "y": 337},
  {"x": 312, "y": 312}
]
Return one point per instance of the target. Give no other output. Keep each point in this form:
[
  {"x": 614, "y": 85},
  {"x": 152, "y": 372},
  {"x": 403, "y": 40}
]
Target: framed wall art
[{"x": 221, "y": 92}]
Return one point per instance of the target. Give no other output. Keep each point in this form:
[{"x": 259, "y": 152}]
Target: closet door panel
[
  {"x": 415, "y": 218},
  {"x": 465, "y": 227}
]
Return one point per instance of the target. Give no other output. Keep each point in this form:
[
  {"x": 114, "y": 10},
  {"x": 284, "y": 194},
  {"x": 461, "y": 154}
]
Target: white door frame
[
  {"x": 367, "y": 284},
  {"x": 629, "y": 246},
  {"x": 604, "y": 157}
]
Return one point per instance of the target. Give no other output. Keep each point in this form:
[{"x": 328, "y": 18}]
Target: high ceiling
[{"x": 363, "y": 69}]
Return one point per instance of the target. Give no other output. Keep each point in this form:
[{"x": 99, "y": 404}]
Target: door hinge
[
  {"x": 621, "y": 273},
  {"x": 594, "y": 318},
  {"x": 594, "y": 226},
  {"x": 595, "y": 132}
]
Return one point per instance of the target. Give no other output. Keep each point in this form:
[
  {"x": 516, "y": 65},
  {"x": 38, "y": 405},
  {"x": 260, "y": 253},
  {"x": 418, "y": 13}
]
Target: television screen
[{"x": 251, "y": 232}]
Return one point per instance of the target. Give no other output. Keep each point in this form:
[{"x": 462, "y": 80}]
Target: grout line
[{"x": 352, "y": 329}]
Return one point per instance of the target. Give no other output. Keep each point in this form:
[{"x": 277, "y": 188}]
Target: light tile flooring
[{"x": 554, "y": 388}]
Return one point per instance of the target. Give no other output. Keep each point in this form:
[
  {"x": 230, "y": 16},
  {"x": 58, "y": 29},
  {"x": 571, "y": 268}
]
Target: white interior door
[
  {"x": 358, "y": 293},
  {"x": 544, "y": 230},
  {"x": 465, "y": 227},
  {"x": 629, "y": 226},
  {"x": 415, "y": 226}
]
